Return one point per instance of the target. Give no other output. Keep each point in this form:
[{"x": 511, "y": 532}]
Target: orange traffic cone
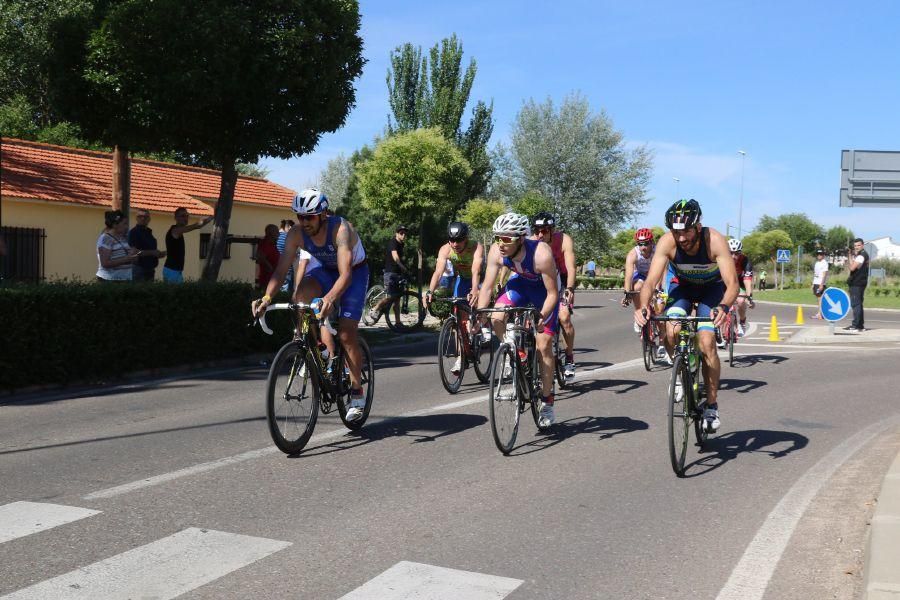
[
  {"x": 799, "y": 315},
  {"x": 773, "y": 331}
]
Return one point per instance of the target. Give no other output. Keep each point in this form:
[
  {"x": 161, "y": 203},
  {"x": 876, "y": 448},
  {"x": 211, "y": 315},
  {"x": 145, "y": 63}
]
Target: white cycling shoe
[
  {"x": 457, "y": 367},
  {"x": 569, "y": 371},
  {"x": 711, "y": 419},
  {"x": 356, "y": 408},
  {"x": 547, "y": 416}
]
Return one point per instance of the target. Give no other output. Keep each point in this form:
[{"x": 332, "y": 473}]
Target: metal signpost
[
  {"x": 835, "y": 306},
  {"x": 782, "y": 257}
]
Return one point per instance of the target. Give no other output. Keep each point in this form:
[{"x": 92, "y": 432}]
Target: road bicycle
[
  {"x": 686, "y": 400},
  {"x": 515, "y": 378},
  {"x": 728, "y": 331},
  {"x": 375, "y": 295},
  {"x": 559, "y": 352},
  {"x": 462, "y": 341},
  {"x": 304, "y": 380},
  {"x": 405, "y": 311},
  {"x": 651, "y": 341}
]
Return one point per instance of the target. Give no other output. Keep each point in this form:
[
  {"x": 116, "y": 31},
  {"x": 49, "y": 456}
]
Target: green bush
[{"x": 77, "y": 332}]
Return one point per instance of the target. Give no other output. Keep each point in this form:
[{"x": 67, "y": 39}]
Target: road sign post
[{"x": 782, "y": 257}]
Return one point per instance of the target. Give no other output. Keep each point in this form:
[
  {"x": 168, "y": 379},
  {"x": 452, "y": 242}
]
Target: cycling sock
[
  {"x": 570, "y": 357},
  {"x": 548, "y": 400},
  {"x": 358, "y": 392},
  {"x": 713, "y": 406}
]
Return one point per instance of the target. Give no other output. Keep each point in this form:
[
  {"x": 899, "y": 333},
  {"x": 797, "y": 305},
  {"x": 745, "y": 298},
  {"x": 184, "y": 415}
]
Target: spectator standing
[
  {"x": 267, "y": 256},
  {"x": 286, "y": 226},
  {"x": 820, "y": 276},
  {"x": 394, "y": 269},
  {"x": 141, "y": 237},
  {"x": 115, "y": 257},
  {"x": 173, "y": 269},
  {"x": 858, "y": 280},
  {"x": 762, "y": 279},
  {"x": 590, "y": 269}
]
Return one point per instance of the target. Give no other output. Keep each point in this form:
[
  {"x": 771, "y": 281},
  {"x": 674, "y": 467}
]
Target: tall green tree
[
  {"x": 762, "y": 246},
  {"x": 222, "y": 81},
  {"x": 480, "y": 215},
  {"x": 801, "y": 229},
  {"x": 433, "y": 91},
  {"x": 531, "y": 203},
  {"x": 837, "y": 240},
  {"x": 579, "y": 161},
  {"x": 335, "y": 180}
]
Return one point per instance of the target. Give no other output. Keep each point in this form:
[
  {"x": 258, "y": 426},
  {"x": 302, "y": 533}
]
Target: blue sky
[{"x": 790, "y": 83}]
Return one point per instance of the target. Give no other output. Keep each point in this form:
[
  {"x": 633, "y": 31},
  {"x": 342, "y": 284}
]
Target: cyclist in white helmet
[
  {"x": 745, "y": 278},
  {"x": 332, "y": 266},
  {"x": 534, "y": 281}
]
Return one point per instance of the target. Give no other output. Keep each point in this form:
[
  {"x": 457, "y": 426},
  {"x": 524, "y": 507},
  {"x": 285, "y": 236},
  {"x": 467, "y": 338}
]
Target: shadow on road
[
  {"x": 751, "y": 360},
  {"x": 604, "y": 427},
  {"x": 593, "y": 385},
  {"x": 422, "y": 429},
  {"x": 742, "y": 386},
  {"x": 721, "y": 449}
]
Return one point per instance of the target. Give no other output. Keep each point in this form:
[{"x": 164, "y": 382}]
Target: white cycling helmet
[
  {"x": 735, "y": 245},
  {"x": 512, "y": 224},
  {"x": 310, "y": 202}
]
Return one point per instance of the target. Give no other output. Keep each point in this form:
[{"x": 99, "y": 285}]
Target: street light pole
[
  {"x": 677, "y": 187},
  {"x": 741, "y": 202}
]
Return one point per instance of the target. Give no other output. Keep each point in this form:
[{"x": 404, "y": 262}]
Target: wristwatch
[{"x": 724, "y": 307}]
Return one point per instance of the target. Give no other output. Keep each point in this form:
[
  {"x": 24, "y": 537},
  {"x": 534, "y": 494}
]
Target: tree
[
  {"x": 335, "y": 179},
  {"x": 222, "y": 81},
  {"x": 480, "y": 215},
  {"x": 579, "y": 161},
  {"x": 801, "y": 229},
  {"x": 531, "y": 203},
  {"x": 837, "y": 240},
  {"x": 251, "y": 170},
  {"x": 434, "y": 92},
  {"x": 414, "y": 175},
  {"x": 762, "y": 247}
]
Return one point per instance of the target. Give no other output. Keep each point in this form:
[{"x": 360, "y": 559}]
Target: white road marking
[
  {"x": 336, "y": 433},
  {"x": 417, "y": 581},
  {"x": 750, "y": 577},
  {"x": 163, "y": 569},
  {"x": 19, "y": 519}
]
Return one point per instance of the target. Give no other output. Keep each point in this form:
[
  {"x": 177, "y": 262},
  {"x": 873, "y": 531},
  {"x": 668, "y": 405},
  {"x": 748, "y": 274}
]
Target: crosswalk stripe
[
  {"x": 19, "y": 519},
  {"x": 409, "y": 580},
  {"x": 163, "y": 569}
]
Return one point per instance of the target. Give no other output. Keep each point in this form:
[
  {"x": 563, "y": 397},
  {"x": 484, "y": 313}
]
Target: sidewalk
[
  {"x": 882, "y": 561},
  {"x": 821, "y": 334},
  {"x": 758, "y": 301}
]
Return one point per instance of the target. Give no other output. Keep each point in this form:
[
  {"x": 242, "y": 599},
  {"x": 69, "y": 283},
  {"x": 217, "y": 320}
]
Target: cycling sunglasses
[
  {"x": 308, "y": 217},
  {"x": 643, "y": 243},
  {"x": 505, "y": 239},
  {"x": 544, "y": 229}
]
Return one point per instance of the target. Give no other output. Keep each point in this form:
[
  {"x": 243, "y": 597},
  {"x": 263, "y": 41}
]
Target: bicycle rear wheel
[
  {"x": 647, "y": 346},
  {"x": 483, "y": 351},
  {"x": 679, "y": 413},
  {"x": 505, "y": 401},
  {"x": 405, "y": 312},
  {"x": 292, "y": 398},
  {"x": 732, "y": 337},
  {"x": 373, "y": 297},
  {"x": 559, "y": 355},
  {"x": 449, "y": 354},
  {"x": 367, "y": 381},
  {"x": 534, "y": 392}
]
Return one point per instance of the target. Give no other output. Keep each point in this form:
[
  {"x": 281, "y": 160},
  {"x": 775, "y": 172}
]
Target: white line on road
[
  {"x": 749, "y": 579},
  {"x": 163, "y": 569},
  {"x": 260, "y": 452},
  {"x": 19, "y": 519},
  {"x": 409, "y": 580}
]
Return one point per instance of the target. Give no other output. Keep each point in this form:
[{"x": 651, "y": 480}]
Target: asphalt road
[{"x": 193, "y": 499}]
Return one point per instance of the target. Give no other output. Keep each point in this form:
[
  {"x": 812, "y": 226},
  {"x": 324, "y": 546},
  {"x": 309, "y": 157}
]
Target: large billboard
[{"x": 870, "y": 178}]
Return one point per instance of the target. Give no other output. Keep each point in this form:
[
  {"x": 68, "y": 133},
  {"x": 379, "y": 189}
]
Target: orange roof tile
[{"x": 61, "y": 174}]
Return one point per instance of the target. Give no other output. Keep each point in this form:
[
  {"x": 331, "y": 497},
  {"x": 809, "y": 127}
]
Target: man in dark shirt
[
  {"x": 141, "y": 237},
  {"x": 394, "y": 268},
  {"x": 858, "y": 260},
  {"x": 173, "y": 270}
]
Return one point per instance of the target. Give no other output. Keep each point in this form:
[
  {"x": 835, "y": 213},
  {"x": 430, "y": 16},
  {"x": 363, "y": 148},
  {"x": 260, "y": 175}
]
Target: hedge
[
  {"x": 602, "y": 283},
  {"x": 88, "y": 332}
]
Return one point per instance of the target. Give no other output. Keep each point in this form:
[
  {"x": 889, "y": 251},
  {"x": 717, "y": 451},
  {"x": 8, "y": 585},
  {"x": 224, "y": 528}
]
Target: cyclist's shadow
[
  {"x": 605, "y": 427},
  {"x": 423, "y": 428},
  {"x": 721, "y": 449},
  {"x": 742, "y": 361}
]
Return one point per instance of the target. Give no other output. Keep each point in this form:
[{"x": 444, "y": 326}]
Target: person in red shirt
[{"x": 267, "y": 256}]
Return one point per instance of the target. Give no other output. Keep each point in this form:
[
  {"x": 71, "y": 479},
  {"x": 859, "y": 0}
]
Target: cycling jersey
[
  {"x": 526, "y": 286},
  {"x": 743, "y": 267},
  {"x": 323, "y": 269},
  {"x": 699, "y": 268},
  {"x": 641, "y": 264},
  {"x": 699, "y": 282},
  {"x": 462, "y": 261},
  {"x": 556, "y": 242},
  {"x": 326, "y": 255}
]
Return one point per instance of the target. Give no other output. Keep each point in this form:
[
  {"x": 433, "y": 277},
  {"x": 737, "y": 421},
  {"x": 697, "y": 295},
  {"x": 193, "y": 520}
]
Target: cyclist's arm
[
  {"x": 664, "y": 248},
  {"x": 568, "y": 248},
  {"x": 440, "y": 266},
  {"x": 490, "y": 277},
  {"x": 477, "y": 259},
  {"x": 629, "y": 271},
  {"x": 396, "y": 256},
  {"x": 546, "y": 266},
  {"x": 344, "y": 240}
]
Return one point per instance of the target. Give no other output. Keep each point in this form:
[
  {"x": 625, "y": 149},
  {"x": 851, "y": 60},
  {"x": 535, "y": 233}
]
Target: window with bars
[{"x": 24, "y": 258}]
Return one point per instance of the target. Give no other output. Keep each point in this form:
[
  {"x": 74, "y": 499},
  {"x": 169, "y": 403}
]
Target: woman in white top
[
  {"x": 820, "y": 276},
  {"x": 114, "y": 256}
]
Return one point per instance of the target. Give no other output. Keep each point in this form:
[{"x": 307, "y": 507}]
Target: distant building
[
  {"x": 883, "y": 247},
  {"x": 53, "y": 199}
]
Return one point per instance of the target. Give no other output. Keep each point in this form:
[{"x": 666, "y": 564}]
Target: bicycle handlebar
[{"x": 301, "y": 306}]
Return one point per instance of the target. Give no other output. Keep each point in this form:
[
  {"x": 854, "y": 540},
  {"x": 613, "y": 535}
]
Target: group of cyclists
[{"x": 689, "y": 267}]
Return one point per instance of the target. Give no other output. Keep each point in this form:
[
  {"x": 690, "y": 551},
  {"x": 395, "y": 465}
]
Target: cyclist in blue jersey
[
  {"x": 331, "y": 266},
  {"x": 702, "y": 261},
  {"x": 534, "y": 281}
]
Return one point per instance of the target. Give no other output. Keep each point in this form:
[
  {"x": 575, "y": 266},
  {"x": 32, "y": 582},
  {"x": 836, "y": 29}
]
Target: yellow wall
[{"x": 72, "y": 231}]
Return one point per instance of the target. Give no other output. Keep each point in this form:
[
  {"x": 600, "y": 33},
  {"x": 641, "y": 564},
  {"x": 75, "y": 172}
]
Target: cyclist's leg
[
  {"x": 544, "y": 344},
  {"x": 316, "y": 283},
  {"x": 461, "y": 289},
  {"x": 742, "y": 306},
  {"x": 706, "y": 338},
  {"x": 679, "y": 305},
  {"x": 391, "y": 291},
  {"x": 498, "y": 320},
  {"x": 352, "y": 303}
]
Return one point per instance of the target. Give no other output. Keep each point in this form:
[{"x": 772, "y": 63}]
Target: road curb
[
  {"x": 893, "y": 310},
  {"x": 882, "y": 567}
]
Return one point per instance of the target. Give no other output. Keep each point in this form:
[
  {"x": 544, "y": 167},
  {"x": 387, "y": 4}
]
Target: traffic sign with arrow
[{"x": 835, "y": 304}]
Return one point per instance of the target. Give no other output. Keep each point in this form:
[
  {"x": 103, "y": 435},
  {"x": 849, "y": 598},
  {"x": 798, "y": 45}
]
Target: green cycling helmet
[{"x": 683, "y": 214}]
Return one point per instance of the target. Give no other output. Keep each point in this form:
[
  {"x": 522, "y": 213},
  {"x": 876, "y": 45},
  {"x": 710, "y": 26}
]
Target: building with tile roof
[{"x": 59, "y": 194}]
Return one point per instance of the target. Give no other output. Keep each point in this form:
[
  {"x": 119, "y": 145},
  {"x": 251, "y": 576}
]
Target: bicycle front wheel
[
  {"x": 505, "y": 401},
  {"x": 292, "y": 398},
  {"x": 450, "y": 356},
  {"x": 732, "y": 337},
  {"x": 405, "y": 312},
  {"x": 373, "y": 297},
  {"x": 367, "y": 382},
  {"x": 559, "y": 355},
  {"x": 647, "y": 346},
  {"x": 679, "y": 413},
  {"x": 483, "y": 351}
]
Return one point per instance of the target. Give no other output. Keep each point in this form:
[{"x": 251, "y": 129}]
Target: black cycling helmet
[
  {"x": 683, "y": 214},
  {"x": 457, "y": 231},
  {"x": 543, "y": 219}
]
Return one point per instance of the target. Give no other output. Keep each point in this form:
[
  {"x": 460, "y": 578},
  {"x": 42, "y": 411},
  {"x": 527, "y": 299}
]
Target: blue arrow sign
[
  {"x": 783, "y": 256},
  {"x": 835, "y": 304}
]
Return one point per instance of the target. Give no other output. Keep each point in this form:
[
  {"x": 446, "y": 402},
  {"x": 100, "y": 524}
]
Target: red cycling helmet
[{"x": 643, "y": 235}]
